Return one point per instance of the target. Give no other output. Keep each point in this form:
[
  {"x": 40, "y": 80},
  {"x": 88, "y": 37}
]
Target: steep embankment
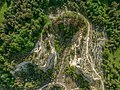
[
  {"x": 87, "y": 67},
  {"x": 66, "y": 51}
]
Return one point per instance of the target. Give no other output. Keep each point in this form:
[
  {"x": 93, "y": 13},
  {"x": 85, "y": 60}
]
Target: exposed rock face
[
  {"x": 59, "y": 49},
  {"x": 75, "y": 49},
  {"x": 24, "y": 68}
]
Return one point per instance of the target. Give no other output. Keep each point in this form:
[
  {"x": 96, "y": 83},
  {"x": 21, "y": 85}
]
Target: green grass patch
[
  {"x": 115, "y": 58},
  {"x": 3, "y": 9},
  {"x": 112, "y": 67}
]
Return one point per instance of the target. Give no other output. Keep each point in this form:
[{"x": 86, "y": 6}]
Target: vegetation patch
[
  {"x": 23, "y": 22},
  {"x": 80, "y": 81}
]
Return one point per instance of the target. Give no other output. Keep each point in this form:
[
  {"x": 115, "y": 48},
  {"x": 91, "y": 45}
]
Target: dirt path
[{"x": 60, "y": 77}]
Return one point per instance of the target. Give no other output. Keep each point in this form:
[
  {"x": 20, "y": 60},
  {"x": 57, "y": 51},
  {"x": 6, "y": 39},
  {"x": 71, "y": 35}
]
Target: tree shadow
[
  {"x": 2, "y": 2},
  {"x": 77, "y": 78}
]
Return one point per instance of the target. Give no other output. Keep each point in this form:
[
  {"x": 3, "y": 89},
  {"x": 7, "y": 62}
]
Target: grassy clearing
[
  {"x": 115, "y": 57},
  {"x": 3, "y": 9},
  {"x": 112, "y": 68}
]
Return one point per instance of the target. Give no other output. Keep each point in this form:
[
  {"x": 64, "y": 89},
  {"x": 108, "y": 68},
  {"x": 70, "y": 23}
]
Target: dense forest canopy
[
  {"x": 25, "y": 19},
  {"x": 108, "y": 2}
]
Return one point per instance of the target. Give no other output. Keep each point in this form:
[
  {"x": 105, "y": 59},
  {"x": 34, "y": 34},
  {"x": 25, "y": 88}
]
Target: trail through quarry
[
  {"x": 50, "y": 58},
  {"x": 88, "y": 59}
]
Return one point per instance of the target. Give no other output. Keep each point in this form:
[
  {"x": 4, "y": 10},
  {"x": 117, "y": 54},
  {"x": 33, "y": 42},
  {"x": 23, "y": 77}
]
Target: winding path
[
  {"x": 54, "y": 83},
  {"x": 88, "y": 57}
]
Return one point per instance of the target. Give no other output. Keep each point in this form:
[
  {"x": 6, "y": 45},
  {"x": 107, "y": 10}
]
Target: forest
[{"x": 23, "y": 21}]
